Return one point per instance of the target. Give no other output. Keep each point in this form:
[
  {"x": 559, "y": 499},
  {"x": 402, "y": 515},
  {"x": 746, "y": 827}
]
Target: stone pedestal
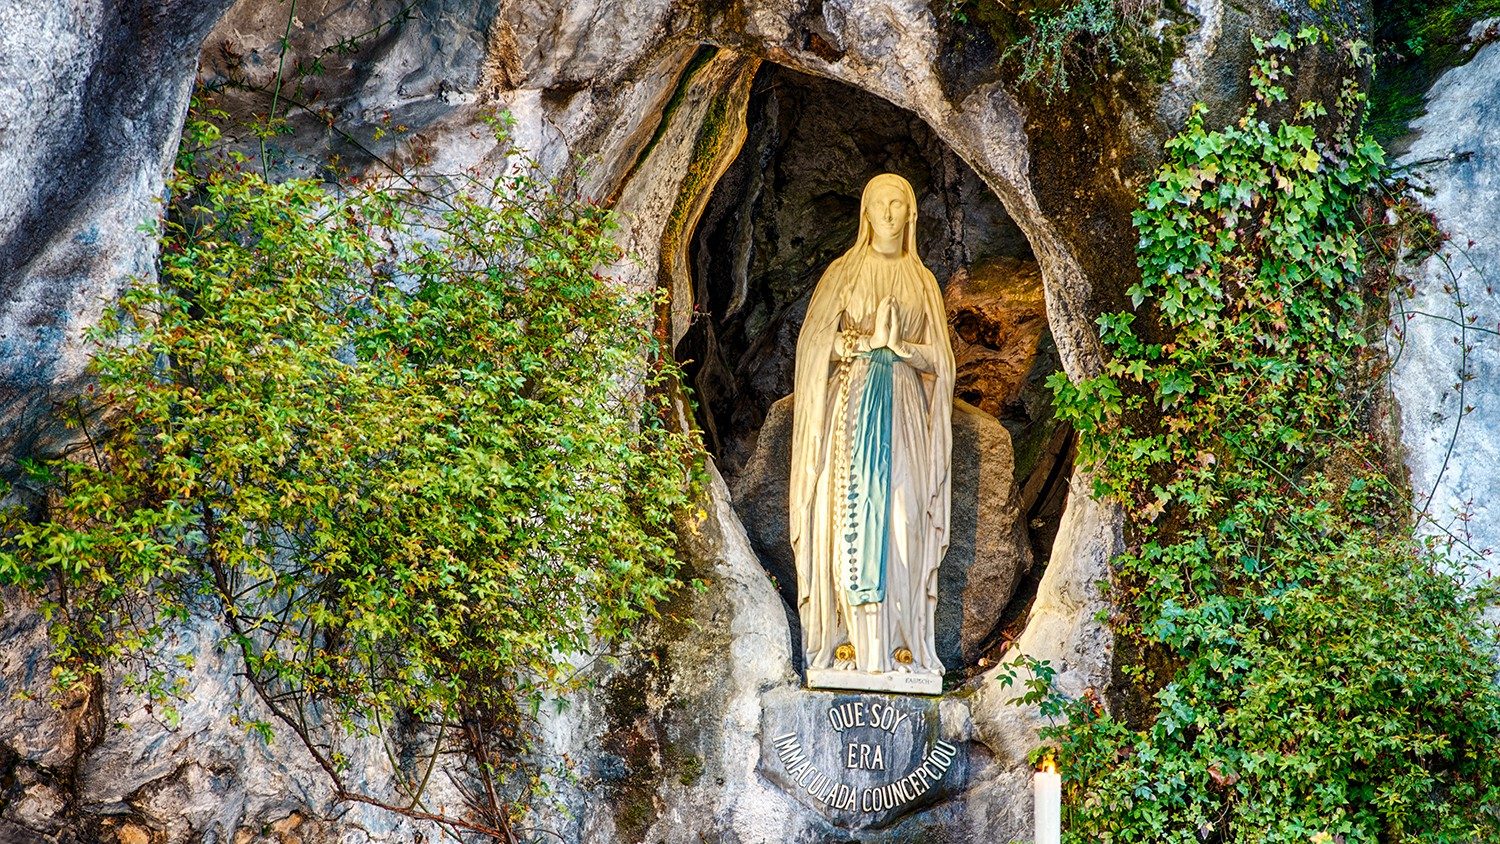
[
  {"x": 901, "y": 682},
  {"x": 863, "y": 761}
]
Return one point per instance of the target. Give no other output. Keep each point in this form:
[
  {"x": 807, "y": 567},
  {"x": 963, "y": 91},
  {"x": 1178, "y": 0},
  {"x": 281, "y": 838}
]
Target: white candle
[{"x": 1046, "y": 787}]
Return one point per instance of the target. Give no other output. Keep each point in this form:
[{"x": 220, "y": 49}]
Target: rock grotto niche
[{"x": 784, "y": 209}]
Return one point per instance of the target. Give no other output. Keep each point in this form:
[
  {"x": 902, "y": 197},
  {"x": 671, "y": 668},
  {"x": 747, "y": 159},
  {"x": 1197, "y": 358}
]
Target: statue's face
[{"x": 886, "y": 209}]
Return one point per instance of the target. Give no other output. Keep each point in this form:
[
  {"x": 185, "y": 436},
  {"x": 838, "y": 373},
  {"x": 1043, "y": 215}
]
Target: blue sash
[{"x": 867, "y": 530}]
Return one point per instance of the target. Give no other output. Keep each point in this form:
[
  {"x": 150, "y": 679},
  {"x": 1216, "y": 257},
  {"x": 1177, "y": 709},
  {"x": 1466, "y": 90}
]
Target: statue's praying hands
[{"x": 888, "y": 327}]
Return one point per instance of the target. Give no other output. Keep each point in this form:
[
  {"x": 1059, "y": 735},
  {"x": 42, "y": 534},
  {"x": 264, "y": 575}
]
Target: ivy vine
[{"x": 1318, "y": 672}]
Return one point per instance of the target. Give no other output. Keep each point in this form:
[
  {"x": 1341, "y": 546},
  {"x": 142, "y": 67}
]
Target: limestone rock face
[
  {"x": 93, "y": 96},
  {"x": 639, "y": 105},
  {"x": 1004, "y": 353},
  {"x": 987, "y": 554},
  {"x": 1447, "y": 360},
  {"x": 667, "y": 752},
  {"x": 105, "y": 767}
]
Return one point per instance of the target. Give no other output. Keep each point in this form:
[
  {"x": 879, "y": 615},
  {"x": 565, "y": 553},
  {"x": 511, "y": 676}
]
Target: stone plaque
[{"x": 861, "y": 760}]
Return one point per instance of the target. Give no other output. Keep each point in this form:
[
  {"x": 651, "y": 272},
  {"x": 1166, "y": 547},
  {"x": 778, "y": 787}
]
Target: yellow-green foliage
[
  {"x": 410, "y": 449},
  {"x": 1056, "y": 40}
]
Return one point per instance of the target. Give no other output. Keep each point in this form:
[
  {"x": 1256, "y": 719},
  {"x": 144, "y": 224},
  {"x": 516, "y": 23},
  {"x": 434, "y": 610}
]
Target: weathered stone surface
[
  {"x": 669, "y": 753},
  {"x": 860, "y": 760},
  {"x": 92, "y": 95},
  {"x": 1058, "y": 629},
  {"x": 997, "y": 317},
  {"x": 988, "y": 552},
  {"x": 1446, "y": 354},
  {"x": 1005, "y": 353},
  {"x": 105, "y": 761}
]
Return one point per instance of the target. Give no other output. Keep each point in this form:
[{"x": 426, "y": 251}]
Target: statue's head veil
[{"x": 867, "y": 232}]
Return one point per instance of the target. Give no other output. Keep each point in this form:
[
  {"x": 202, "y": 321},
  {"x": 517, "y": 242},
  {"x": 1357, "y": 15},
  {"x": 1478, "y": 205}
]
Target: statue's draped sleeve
[
  {"x": 815, "y": 347},
  {"x": 939, "y": 415}
]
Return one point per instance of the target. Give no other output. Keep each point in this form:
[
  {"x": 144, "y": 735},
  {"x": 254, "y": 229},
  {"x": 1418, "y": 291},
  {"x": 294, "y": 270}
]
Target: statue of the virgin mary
[{"x": 870, "y": 457}]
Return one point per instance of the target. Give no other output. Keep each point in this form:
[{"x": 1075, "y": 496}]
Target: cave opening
[{"x": 783, "y": 210}]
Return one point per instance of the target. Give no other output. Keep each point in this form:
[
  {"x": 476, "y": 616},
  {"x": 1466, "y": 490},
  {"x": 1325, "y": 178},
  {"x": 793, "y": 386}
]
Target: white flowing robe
[{"x": 847, "y": 296}]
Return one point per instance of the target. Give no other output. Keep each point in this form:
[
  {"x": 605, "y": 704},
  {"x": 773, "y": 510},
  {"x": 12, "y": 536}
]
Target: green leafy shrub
[
  {"x": 1055, "y": 41},
  {"x": 1323, "y": 675},
  {"x": 409, "y": 447},
  {"x": 1059, "y": 36}
]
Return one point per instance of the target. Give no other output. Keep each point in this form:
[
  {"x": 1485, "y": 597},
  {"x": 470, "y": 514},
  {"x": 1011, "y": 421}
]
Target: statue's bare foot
[
  {"x": 902, "y": 659},
  {"x": 843, "y": 657}
]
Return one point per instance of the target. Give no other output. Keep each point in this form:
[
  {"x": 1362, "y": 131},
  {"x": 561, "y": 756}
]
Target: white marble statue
[{"x": 870, "y": 457}]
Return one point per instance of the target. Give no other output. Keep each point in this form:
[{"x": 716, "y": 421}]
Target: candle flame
[{"x": 1048, "y": 766}]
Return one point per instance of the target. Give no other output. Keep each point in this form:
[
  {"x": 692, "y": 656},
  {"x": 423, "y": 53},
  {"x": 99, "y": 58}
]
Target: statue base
[{"x": 900, "y": 682}]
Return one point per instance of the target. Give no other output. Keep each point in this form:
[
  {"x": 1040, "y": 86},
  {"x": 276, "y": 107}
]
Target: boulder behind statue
[{"x": 988, "y": 553}]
